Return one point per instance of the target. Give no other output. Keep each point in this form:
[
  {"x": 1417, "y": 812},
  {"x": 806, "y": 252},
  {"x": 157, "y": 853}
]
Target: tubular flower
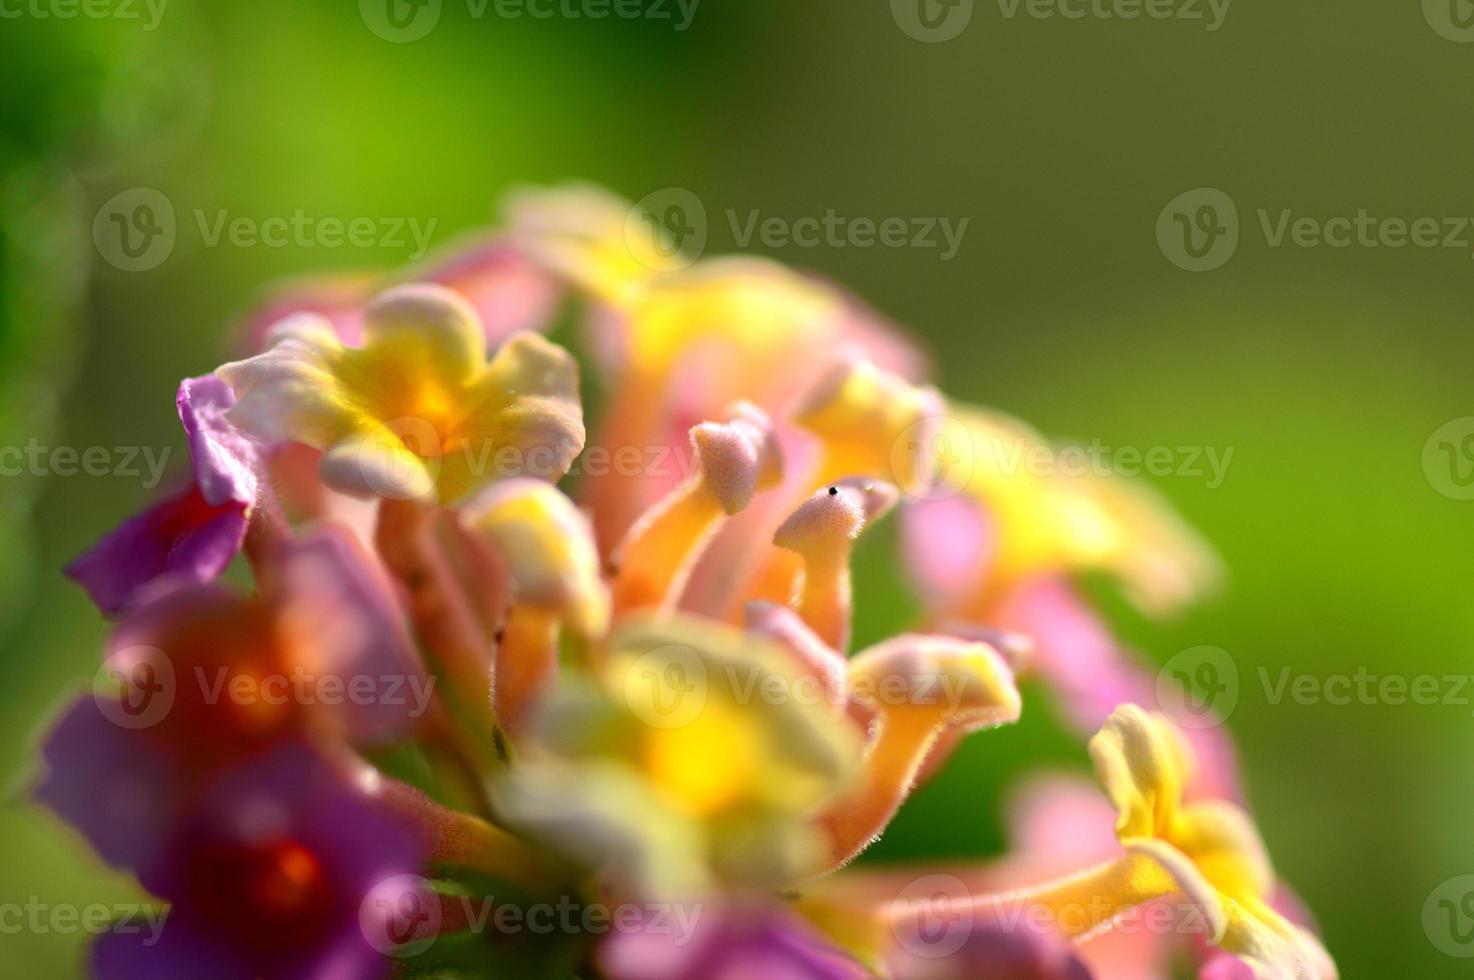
[
  {"x": 1029, "y": 513},
  {"x": 1206, "y": 857},
  {"x": 680, "y": 339},
  {"x": 461, "y": 683},
  {"x": 417, "y": 411},
  {"x": 1000, "y": 523},
  {"x": 678, "y": 728}
]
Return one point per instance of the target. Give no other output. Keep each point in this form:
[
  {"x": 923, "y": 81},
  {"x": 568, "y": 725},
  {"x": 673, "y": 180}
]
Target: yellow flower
[
  {"x": 717, "y": 750},
  {"x": 547, "y": 549},
  {"x": 417, "y": 411},
  {"x": 1206, "y": 851},
  {"x": 1050, "y": 513}
]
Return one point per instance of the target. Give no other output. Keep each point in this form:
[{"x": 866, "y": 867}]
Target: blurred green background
[{"x": 1062, "y": 140}]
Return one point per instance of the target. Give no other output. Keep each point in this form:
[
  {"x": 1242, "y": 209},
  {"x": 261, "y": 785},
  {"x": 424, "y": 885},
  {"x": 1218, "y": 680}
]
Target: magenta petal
[
  {"x": 181, "y": 535},
  {"x": 509, "y": 292},
  {"x": 328, "y": 586},
  {"x": 947, "y": 545},
  {"x": 225, "y": 460},
  {"x": 290, "y": 794},
  {"x": 952, "y": 948},
  {"x": 1074, "y": 652},
  {"x": 136, "y": 951},
  {"x": 768, "y": 943},
  {"x": 1224, "y": 966},
  {"x": 1089, "y": 674},
  {"x": 114, "y": 785}
]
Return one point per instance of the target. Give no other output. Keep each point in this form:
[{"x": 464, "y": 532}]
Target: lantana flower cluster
[{"x": 506, "y": 696}]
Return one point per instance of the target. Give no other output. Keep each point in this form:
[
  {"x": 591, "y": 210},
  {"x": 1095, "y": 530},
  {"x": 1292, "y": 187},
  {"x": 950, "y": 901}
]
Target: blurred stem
[
  {"x": 466, "y": 841},
  {"x": 443, "y": 615}
]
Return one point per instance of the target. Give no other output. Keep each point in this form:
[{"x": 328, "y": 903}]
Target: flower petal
[
  {"x": 226, "y": 466},
  {"x": 180, "y": 536}
]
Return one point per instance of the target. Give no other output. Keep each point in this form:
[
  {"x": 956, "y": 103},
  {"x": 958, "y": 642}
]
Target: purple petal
[
  {"x": 225, "y": 459},
  {"x": 963, "y": 947},
  {"x": 174, "y": 952},
  {"x": 114, "y": 785},
  {"x": 182, "y": 534},
  {"x": 289, "y": 794},
  {"x": 768, "y": 943}
]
